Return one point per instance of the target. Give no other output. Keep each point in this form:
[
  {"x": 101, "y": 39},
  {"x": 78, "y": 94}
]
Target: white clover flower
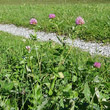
[{"x": 28, "y": 48}]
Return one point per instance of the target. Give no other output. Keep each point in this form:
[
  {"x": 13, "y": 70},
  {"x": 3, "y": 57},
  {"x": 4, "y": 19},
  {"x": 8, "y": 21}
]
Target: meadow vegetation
[
  {"x": 46, "y": 76},
  {"x": 51, "y": 1},
  {"x": 96, "y": 16},
  {"x": 38, "y": 75}
]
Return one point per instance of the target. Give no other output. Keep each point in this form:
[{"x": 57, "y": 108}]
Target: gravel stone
[{"x": 91, "y": 47}]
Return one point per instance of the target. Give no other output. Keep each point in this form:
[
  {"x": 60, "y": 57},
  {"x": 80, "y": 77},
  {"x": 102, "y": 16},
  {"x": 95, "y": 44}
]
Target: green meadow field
[
  {"x": 51, "y": 1},
  {"x": 48, "y": 76},
  {"x": 96, "y": 16}
]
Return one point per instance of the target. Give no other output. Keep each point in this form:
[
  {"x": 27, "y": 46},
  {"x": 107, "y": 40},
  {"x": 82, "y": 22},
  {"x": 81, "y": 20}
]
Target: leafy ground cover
[
  {"x": 96, "y": 16},
  {"x": 46, "y": 76}
]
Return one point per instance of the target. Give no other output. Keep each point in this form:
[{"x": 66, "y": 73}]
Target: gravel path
[{"x": 92, "y": 48}]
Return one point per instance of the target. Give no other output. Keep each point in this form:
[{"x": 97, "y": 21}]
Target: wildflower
[
  {"x": 28, "y": 48},
  {"x": 97, "y": 64},
  {"x": 51, "y": 16},
  {"x": 80, "y": 20},
  {"x": 33, "y": 21}
]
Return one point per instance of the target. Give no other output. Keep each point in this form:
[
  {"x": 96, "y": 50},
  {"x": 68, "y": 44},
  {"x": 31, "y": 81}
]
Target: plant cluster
[{"x": 46, "y": 76}]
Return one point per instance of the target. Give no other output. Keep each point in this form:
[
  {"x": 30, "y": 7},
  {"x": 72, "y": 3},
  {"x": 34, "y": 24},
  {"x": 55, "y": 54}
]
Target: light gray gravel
[{"x": 92, "y": 48}]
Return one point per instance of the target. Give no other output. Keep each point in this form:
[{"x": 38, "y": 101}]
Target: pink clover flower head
[
  {"x": 28, "y": 48},
  {"x": 51, "y": 16},
  {"x": 33, "y": 21},
  {"x": 80, "y": 20},
  {"x": 97, "y": 64}
]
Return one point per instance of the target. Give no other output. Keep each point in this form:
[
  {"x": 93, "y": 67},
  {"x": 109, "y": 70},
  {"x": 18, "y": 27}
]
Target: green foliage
[
  {"x": 51, "y": 1},
  {"x": 51, "y": 76}
]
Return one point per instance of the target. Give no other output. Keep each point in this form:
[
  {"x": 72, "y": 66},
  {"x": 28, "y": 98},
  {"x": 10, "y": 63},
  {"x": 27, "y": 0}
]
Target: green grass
[
  {"x": 96, "y": 16},
  {"x": 51, "y": 76},
  {"x": 51, "y": 1}
]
